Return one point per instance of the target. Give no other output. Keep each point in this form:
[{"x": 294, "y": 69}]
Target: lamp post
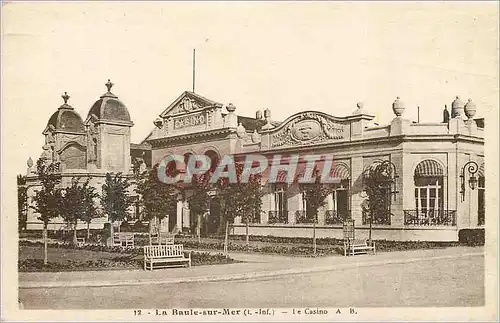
[{"x": 472, "y": 168}]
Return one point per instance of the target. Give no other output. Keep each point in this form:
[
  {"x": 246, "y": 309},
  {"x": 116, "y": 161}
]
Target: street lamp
[{"x": 472, "y": 168}]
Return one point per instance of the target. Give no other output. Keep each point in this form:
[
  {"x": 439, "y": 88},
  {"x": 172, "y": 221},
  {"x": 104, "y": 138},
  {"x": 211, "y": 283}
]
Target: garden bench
[
  {"x": 165, "y": 256},
  {"x": 80, "y": 242},
  {"x": 356, "y": 246},
  {"x": 123, "y": 239},
  {"x": 166, "y": 238}
]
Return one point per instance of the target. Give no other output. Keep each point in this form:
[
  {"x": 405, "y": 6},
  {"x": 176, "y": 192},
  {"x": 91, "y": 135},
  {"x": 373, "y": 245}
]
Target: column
[
  {"x": 178, "y": 223},
  {"x": 356, "y": 190},
  {"x": 186, "y": 214},
  {"x": 402, "y": 187}
]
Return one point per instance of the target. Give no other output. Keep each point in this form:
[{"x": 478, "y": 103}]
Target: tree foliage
[
  {"x": 315, "y": 195},
  {"x": 241, "y": 198},
  {"x": 199, "y": 201},
  {"x": 22, "y": 202},
  {"x": 115, "y": 198},
  {"x": 46, "y": 199},
  {"x": 77, "y": 202},
  {"x": 378, "y": 179}
]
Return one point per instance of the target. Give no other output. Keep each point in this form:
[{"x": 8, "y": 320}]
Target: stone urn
[
  {"x": 398, "y": 107},
  {"x": 470, "y": 109}
]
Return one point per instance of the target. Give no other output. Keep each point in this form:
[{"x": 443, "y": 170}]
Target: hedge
[
  {"x": 120, "y": 262},
  {"x": 471, "y": 237}
]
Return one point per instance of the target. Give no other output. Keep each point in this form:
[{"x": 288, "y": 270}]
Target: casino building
[{"x": 436, "y": 190}]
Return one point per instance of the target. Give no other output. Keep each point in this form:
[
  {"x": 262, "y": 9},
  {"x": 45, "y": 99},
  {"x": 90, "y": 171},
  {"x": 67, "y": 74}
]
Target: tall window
[
  {"x": 429, "y": 197},
  {"x": 280, "y": 201}
]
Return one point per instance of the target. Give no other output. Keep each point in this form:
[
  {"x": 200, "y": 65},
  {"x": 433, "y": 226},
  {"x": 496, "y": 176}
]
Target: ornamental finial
[
  {"x": 109, "y": 85},
  {"x": 65, "y": 97}
]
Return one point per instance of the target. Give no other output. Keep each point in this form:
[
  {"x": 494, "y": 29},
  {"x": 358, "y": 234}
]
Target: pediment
[
  {"x": 309, "y": 128},
  {"x": 186, "y": 103}
]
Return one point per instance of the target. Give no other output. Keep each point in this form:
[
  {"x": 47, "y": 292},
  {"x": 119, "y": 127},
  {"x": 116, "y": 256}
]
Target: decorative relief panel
[
  {"x": 187, "y": 105},
  {"x": 308, "y": 128}
]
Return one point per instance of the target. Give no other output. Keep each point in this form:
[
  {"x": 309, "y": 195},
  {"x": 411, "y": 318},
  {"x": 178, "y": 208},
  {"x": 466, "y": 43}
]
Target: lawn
[{"x": 68, "y": 259}]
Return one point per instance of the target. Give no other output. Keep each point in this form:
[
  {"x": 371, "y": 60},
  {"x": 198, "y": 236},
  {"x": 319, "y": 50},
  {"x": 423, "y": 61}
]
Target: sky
[{"x": 284, "y": 56}]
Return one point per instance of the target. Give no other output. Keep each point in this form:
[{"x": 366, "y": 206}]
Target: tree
[
  {"x": 22, "y": 202},
  {"x": 71, "y": 205},
  {"x": 240, "y": 199},
  {"x": 156, "y": 197},
  {"x": 90, "y": 208},
  {"x": 46, "y": 200},
  {"x": 315, "y": 195},
  {"x": 199, "y": 201},
  {"x": 377, "y": 180},
  {"x": 115, "y": 199}
]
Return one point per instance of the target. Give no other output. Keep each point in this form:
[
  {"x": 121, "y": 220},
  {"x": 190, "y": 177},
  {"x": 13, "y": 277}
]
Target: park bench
[
  {"x": 357, "y": 246},
  {"x": 164, "y": 238},
  {"x": 80, "y": 242},
  {"x": 123, "y": 239},
  {"x": 164, "y": 256}
]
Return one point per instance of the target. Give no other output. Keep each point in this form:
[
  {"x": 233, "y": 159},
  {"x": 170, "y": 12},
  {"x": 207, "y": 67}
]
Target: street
[{"x": 439, "y": 282}]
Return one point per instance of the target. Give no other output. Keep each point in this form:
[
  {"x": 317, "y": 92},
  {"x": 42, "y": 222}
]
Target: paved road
[{"x": 443, "y": 282}]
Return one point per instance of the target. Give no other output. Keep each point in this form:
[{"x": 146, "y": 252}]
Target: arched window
[
  {"x": 338, "y": 208},
  {"x": 214, "y": 159},
  {"x": 429, "y": 201},
  {"x": 480, "y": 196}
]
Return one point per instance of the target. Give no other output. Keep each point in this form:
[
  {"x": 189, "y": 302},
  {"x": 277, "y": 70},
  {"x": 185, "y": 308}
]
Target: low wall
[{"x": 378, "y": 233}]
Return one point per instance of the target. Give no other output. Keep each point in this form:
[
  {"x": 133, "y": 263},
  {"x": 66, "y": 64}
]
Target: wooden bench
[
  {"x": 166, "y": 238},
  {"x": 357, "y": 246},
  {"x": 80, "y": 242},
  {"x": 165, "y": 256},
  {"x": 123, "y": 239}
]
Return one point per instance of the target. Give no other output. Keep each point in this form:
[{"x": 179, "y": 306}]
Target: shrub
[
  {"x": 471, "y": 237},
  {"x": 105, "y": 233},
  {"x": 125, "y": 227},
  {"x": 140, "y": 227}
]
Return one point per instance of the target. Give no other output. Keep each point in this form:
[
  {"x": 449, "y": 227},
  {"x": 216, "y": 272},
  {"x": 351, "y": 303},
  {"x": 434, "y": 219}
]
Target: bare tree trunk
[
  {"x": 150, "y": 232},
  {"x": 74, "y": 232},
  {"x": 226, "y": 238},
  {"x": 112, "y": 233},
  {"x": 314, "y": 236},
  {"x": 45, "y": 242},
  {"x": 159, "y": 234},
  {"x": 198, "y": 227},
  {"x": 247, "y": 238},
  {"x": 370, "y": 232},
  {"x": 88, "y": 231}
]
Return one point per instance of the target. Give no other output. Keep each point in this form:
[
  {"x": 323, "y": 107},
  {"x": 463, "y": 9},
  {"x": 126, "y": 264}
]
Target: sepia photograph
[{"x": 249, "y": 161}]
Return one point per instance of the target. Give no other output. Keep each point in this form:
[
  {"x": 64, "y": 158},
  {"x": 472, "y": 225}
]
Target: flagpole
[{"x": 194, "y": 67}]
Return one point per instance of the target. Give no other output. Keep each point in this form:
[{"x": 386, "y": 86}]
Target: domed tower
[
  {"x": 65, "y": 137},
  {"x": 108, "y": 134}
]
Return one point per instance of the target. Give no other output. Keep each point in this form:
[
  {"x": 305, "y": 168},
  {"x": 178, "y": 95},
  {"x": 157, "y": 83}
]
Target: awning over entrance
[{"x": 429, "y": 168}]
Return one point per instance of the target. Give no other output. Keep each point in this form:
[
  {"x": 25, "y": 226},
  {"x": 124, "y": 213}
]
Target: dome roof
[
  {"x": 109, "y": 107},
  {"x": 66, "y": 118}
]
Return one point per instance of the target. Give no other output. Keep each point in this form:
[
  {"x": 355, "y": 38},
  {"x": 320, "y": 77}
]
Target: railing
[
  {"x": 278, "y": 217},
  {"x": 480, "y": 216},
  {"x": 430, "y": 217},
  {"x": 383, "y": 217},
  {"x": 334, "y": 217},
  {"x": 301, "y": 217}
]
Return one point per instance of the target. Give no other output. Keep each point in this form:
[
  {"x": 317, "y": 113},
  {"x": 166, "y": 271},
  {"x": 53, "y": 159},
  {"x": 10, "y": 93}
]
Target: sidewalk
[{"x": 254, "y": 266}]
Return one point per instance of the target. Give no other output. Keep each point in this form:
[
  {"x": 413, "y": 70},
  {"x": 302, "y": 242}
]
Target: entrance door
[
  {"x": 213, "y": 219},
  {"x": 342, "y": 203}
]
